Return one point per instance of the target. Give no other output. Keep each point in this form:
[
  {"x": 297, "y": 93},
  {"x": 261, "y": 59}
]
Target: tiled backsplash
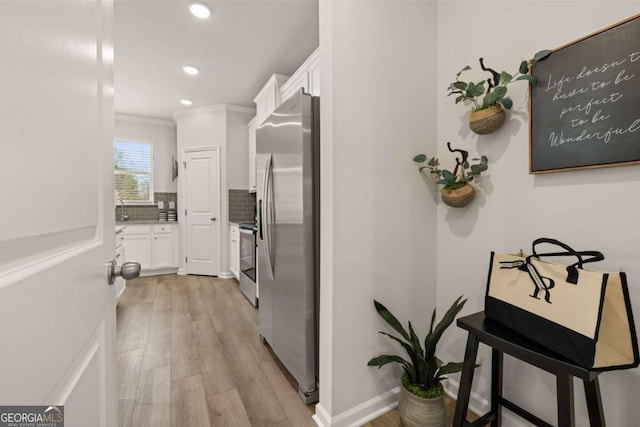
[
  {"x": 242, "y": 206},
  {"x": 147, "y": 212}
]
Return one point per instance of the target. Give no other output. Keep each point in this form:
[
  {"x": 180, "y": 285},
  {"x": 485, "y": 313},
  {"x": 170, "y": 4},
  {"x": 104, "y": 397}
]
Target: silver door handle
[
  {"x": 213, "y": 218},
  {"x": 129, "y": 270}
]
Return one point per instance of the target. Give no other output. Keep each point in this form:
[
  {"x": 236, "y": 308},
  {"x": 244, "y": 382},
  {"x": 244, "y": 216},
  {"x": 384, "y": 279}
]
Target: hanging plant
[
  {"x": 488, "y": 102},
  {"x": 457, "y": 190}
]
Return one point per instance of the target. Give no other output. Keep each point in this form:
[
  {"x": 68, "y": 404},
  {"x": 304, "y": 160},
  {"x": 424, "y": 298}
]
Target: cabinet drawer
[
  {"x": 161, "y": 228},
  {"x": 137, "y": 229}
]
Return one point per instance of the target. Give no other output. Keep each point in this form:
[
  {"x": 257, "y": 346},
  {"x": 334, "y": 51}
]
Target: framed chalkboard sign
[{"x": 585, "y": 108}]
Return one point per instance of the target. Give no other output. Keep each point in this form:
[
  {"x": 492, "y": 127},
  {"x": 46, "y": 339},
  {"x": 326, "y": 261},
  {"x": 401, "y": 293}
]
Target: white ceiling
[{"x": 236, "y": 50}]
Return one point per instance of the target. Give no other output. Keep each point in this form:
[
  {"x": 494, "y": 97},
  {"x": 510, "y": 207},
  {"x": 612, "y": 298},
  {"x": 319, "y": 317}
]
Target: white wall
[
  {"x": 378, "y": 218},
  {"x": 587, "y": 209},
  {"x": 238, "y": 149},
  {"x": 163, "y": 135},
  {"x": 221, "y": 126}
]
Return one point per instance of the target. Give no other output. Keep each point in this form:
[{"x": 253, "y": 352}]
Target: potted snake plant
[{"x": 421, "y": 400}]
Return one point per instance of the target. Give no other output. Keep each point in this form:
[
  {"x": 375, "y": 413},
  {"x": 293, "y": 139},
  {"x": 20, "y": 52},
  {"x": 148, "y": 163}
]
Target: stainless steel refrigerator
[{"x": 287, "y": 173}]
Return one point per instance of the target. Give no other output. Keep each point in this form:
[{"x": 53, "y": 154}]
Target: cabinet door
[
  {"x": 162, "y": 250},
  {"x": 252, "y": 154},
  {"x": 314, "y": 79},
  {"x": 234, "y": 251},
  {"x": 137, "y": 247},
  {"x": 120, "y": 282},
  {"x": 294, "y": 84}
]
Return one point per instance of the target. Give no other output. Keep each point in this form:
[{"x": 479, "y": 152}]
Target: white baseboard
[
  {"x": 477, "y": 403},
  {"x": 379, "y": 405},
  {"x": 160, "y": 271},
  {"x": 121, "y": 291},
  {"x": 321, "y": 417},
  {"x": 360, "y": 414},
  {"x": 223, "y": 275},
  {"x": 481, "y": 406}
]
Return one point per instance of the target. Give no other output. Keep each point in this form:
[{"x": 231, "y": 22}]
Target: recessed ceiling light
[
  {"x": 199, "y": 10},
  {"x": 186, "y": 101},
  {"x": 190, "y": 69}
]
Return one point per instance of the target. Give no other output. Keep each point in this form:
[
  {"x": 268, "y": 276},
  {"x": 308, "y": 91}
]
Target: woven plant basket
[
  {"x": 486, "y": 121},
  {"x": 460, "y": 197},
  {"x": 419, "y": 412}
]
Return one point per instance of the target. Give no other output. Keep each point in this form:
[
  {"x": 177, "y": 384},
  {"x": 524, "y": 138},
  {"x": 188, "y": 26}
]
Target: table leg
[
  {"x": 464, "y": 391},
  {"x": 566, "y": 413},
  {"x": 594, "y": 403},
  {"x": 496, "y": 386}
]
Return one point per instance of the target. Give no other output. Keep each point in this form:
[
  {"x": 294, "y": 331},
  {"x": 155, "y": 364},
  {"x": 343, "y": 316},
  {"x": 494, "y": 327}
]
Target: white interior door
[
  {"x": 57, "y": 313},
  {"x": 202, "y": 190}
]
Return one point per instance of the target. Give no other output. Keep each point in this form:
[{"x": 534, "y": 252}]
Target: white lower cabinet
[
  {"x": 154, "y": 246},
  {"x": 162, "y": 250},
  {"x": 120, "y": 282},
  {"x": 234, "y": 250},
  {"x": 138, "y": 248}
]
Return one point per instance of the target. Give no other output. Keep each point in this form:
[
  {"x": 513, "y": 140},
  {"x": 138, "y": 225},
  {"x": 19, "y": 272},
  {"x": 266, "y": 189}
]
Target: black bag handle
[{"x": 584, "y": 257}]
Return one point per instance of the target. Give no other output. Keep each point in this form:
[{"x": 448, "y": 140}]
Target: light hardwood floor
[{"x": 189, "y": 355}]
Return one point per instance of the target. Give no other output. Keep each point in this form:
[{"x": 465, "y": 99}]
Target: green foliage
[
  {"x": 437, "y": 391},
  {"x": 496, "y": 89},
  {"x": 130, "y": 184},
  {"x": 459, "y": 177},
  {"x": 423, "y": 370}
]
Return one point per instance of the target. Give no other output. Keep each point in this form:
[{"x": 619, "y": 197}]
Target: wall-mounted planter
[
  {"x": 460, "y": 197},
  {"x": 487, "y": 120},
  {"x": 457, "y": 192}
]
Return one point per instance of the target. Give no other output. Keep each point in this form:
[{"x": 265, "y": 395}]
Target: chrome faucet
[{"x": 123, "y": 217}]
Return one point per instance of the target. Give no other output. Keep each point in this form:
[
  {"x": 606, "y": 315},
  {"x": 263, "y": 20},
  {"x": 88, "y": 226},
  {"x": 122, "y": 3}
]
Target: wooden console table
[{"x": 503, "y": 340}]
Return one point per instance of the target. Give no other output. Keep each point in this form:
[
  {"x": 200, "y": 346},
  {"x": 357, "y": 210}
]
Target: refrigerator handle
[
  {"x": 260, "y": 219},
  {"x": 267, "y": 215}
]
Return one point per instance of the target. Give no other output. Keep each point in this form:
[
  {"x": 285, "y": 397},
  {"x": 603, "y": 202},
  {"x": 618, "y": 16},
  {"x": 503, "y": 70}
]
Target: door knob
[
  {"x": 129, "y": 270},
  {"x": 213, "y": 218}
]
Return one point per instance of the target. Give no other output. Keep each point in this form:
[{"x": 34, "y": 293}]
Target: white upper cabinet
[
  {"x": 307, "y": 77},
  {"x": 269, "y": 97},
  {"x": 252, "y": 127},
  {"x": 314, "y": 73}
]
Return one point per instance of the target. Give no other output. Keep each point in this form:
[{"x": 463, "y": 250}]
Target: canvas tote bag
[{"x": 583, "y": 315}]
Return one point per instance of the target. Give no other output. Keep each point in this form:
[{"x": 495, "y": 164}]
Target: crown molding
[
  {"x": 144, "y": 120},
  {"x": 213, "y": 109},
  {"x": 275, "y": 79}
]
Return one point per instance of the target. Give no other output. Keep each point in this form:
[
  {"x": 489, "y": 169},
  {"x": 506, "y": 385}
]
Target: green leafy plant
[
  {"x": 423, "y": 371},
  {"x": 463, "y": 173},
  {"x": 495, "y": 91}
]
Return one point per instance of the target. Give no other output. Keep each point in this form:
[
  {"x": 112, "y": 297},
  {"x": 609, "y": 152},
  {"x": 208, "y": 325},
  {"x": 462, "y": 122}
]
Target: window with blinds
[{"x": 133, "y": 163}]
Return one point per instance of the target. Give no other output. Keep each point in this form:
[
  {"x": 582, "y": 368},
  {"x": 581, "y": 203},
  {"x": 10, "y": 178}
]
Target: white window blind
[{"x": 133, "y": 163}]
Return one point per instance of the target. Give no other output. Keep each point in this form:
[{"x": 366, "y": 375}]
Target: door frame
[
  {"x": 65, "y": 259},
  {"x": 184, "y": 241}
]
